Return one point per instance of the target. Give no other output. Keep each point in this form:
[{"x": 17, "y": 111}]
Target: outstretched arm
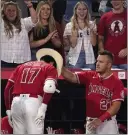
[
  {"x": 32, "y": 11},
  {"x": 68, "y": 75}
]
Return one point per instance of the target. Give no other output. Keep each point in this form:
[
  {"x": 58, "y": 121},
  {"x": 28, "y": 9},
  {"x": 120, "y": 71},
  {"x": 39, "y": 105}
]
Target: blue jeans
[
  {"x": 70, "y": 8},
  {"x": 81, "y": 63},
  {"x": 121, "y": 66}
]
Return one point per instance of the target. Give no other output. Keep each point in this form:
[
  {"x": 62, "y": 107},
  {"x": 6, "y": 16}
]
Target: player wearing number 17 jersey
[
  {"x": 29, "y": 91},
  {"x": 104, "y": 93}
]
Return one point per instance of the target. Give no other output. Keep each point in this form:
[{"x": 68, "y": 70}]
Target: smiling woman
[
  {"x": 80, "y": 35},
  {"x": 44, "y": 35},
  {"x": 15, "y": 48}
]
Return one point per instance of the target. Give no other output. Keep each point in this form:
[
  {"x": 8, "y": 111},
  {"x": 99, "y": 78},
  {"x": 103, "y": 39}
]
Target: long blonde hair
[
  {"x": 74, "y": 17},
  {"x": 7, "y": 24},
  {"x": 51, "y": 21}
]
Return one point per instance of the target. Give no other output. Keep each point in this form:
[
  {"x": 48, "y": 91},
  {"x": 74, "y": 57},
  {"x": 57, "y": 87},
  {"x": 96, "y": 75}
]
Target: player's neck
[{"x": 106, "y": 74}]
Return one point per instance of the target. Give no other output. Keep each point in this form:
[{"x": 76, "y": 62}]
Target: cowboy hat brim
[{"x": 57, "y": 57}]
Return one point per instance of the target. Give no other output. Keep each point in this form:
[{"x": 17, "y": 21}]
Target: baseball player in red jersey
[
  {"x": 104, "y": 93},
  {"x": 5, "y": 127},
  {"x": 29, "y": 90}
]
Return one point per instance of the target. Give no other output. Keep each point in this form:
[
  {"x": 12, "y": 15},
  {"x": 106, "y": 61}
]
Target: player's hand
[
  {"x": 123, "y": 53},
  {"x": 8, "y": 112},
  {"x": 41, "y": 114},
  {"x": 50, "y": 130},
  {"x": 94, "y": 124}
]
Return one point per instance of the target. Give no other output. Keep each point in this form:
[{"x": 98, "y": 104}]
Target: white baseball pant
[
  {"x": 24, "y": 111},
  {"x": 107, "y": 127}
]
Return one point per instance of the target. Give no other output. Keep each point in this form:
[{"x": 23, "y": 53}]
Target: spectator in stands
[
  {"x": 80, "y": 35},
  {"x": 15, "y": 48},
  {"x": 44, "y": 35},
  {"x": 70, "y": 6},
  {"x": 113, "y": 33},
  {"x": 105, "y": 6},
  {"x": 59, "y": 7}
]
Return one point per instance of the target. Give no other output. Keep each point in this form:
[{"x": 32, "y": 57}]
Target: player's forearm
[
  {"x": 68, "y": 75},
  {"x": 47, "y": 97},
  {"x": 113, "y": 110}
]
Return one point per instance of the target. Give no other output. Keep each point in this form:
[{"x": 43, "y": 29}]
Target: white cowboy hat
[{"x": 57, "y": 57}]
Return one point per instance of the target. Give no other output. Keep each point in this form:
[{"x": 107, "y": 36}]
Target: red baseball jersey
[
  {"x": 5, "y": 127},
  {"x": 114, "y": 29},
  {"x": 100, "y": 93},
  {"x": 29, "y": 78}
]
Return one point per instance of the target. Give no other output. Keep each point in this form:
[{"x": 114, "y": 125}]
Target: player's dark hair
[
  {"x": 107, "y": 53},
  {"x": 49, "y": 59}
]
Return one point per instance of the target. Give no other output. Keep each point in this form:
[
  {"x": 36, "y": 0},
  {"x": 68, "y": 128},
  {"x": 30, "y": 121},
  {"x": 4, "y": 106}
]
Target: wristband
[{"x": 105, "y": 116}]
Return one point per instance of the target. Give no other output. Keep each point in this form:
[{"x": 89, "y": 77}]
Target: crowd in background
[{"x": 66, "y": 26}]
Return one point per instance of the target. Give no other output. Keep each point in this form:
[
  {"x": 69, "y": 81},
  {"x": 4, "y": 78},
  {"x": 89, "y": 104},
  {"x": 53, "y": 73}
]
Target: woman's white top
[
  {"x": 83, "y": 36},
  {"x": 17, "y": 48}
]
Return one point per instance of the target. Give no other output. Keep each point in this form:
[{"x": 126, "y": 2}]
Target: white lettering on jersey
[{"x": 101, "y": 90}]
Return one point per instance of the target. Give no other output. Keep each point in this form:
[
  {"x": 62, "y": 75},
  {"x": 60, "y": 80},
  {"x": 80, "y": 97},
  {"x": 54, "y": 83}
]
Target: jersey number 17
[{"x": 29, "y": 75}]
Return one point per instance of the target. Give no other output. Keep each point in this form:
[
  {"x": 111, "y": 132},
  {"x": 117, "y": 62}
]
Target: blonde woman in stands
[
  {"x": 80, "y": 35},
  {"x": 15, "y": 47},
  {"x": 44, "y": 35}
]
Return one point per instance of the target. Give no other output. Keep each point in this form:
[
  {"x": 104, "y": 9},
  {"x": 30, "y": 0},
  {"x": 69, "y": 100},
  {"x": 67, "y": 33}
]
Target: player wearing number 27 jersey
[
  {"x": 100, "y": 93},
  {"x": 29, "y": 90},
  {"x": 103, "y": 94}
]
